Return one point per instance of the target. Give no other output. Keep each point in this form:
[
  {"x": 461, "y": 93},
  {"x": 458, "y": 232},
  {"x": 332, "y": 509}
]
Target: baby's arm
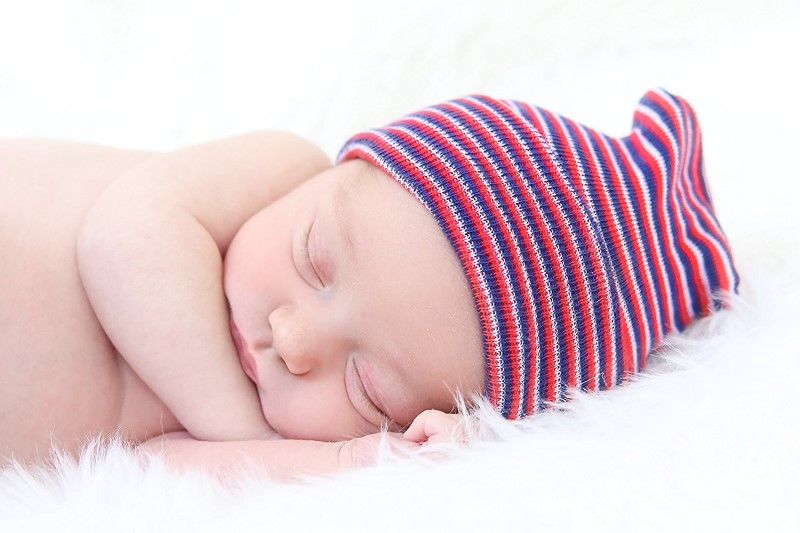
[
  {"x": 286, "y": 459},
  {"x": 279, "y": 459},
  {"x": 150, "y": 257}
]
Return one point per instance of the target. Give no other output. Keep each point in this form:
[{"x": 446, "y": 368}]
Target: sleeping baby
[{"x": 244, "y": 303}]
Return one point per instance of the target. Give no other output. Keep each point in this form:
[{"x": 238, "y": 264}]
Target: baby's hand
[
  {"x": 366, "y": 451},
  {"x": 429, "y": 427},
  {"x": 436, "y": 427},
  {"x": 281, "y": 459}
]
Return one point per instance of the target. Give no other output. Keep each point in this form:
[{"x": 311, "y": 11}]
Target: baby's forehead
[
  {"x": 359, "y": 185},
  {"x": 398, "y": 265},
  {"x": 357, "y": 175}
]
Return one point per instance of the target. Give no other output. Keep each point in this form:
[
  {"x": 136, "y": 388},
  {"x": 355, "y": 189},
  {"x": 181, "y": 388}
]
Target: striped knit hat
[{"x": 581, "y": 250}]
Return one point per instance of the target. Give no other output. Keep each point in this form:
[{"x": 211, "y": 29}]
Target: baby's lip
[{"x": 246, "y": 359}]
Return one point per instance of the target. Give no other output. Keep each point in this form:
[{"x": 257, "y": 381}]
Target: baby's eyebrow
[{"x": 342, "y": 217}]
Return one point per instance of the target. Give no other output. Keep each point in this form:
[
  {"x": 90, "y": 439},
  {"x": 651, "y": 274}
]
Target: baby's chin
[
  {"x": 288, "y": 427},
  {"x": 278, "y": 422},
  {"x": 272, "y": 433},
  {"x": 297, "y": 426}
]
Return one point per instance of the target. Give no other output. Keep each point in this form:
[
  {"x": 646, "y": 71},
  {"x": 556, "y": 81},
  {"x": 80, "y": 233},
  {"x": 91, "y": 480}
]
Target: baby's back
[{"x": 62, "y": 380}]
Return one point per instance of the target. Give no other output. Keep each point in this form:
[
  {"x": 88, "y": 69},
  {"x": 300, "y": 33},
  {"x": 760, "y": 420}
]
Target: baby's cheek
[{"x": 302, "y": 413}]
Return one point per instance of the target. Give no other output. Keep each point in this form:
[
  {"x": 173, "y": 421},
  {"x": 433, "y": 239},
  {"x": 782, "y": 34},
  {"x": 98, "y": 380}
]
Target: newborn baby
[{"x": 244, "y": 302}]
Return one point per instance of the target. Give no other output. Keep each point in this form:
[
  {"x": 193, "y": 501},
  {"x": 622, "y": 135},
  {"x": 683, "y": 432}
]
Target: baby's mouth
[{"x": 246, "y": 359}]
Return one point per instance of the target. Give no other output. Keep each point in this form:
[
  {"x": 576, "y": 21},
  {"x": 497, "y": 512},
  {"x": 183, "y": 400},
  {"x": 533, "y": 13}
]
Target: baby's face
[{"x": 350, "y": 308}]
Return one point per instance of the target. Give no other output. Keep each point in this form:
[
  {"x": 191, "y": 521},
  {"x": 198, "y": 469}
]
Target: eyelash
[
  {"x": 307, "y": 254},
  {"x": 367, "y": 400}
]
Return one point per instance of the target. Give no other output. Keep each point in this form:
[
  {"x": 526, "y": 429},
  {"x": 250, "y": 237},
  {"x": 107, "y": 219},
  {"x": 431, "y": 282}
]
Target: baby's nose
[{"x": 300, "y": 343}]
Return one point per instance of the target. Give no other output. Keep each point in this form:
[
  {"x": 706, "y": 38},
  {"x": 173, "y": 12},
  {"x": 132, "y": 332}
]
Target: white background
[{"x": 709, "y": 442}]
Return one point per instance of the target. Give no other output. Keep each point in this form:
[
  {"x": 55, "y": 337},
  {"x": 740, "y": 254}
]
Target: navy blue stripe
[
  {"x": 669, "y": 275},
  {"x": 584, "y": 256},
  {"x": 648, "y": 254},
  {"x": 567, "y": 135},
  {"x": 673, "y": 174},
  {"x": 514, "y": 263},
  {"x": 491, "y": 226},
  {"x": 690, "y": 180},
  {"x": 695, "y": 182},
  {"x": 544, "y": 357},
  {"x": 626, "y": 294},
  {"x": 562, "y": 238},
  {"x": 394, "y": 160},
  {"x": 540, "y": 320},
  {"x": 583, "y": 160},
  {"x": 527, "y": 263},
  {"x": 673, "y": 227}
]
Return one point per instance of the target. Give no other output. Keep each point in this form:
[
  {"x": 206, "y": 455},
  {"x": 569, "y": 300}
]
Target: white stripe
[
  {"x": 502, "y": 386},
  {"x": 668, "y": 214},
  {"x": 459, "y": 222},
  {"x": 685, "y": 287},
  {"x": 546, "y": 279},
  {"x": 587, "y": 290},
  {"x": 699, "y": 205},
  {"x": 607, "y": 287},
  {"x": 559, "y": 386},
  {"x": 651, "y": 222},
  {"x": 615, "y": 370},
  {"x": 637, "y": 289},
  {"x": 523, "y": 378}
]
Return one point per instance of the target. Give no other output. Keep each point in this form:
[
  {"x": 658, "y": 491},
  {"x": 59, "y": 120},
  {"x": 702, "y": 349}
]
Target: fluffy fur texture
[{"x": 706, "y": 439}]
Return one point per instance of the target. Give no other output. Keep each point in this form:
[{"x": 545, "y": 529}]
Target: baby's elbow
[
  {"x": 307, "y": 155},
  {"x": 91, "y": 234},
  {"x": 92, "y": 246},
  {"x": 112, "y": 233}
]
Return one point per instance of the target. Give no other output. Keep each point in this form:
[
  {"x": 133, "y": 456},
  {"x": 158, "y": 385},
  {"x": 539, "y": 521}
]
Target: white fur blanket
[{"x": 706, "y": 440}]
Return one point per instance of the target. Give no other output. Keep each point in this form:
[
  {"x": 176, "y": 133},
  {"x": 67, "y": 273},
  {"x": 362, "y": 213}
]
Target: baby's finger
[
  {"x": 416, "y": 431},
  {"x": 431, "y": 425}
]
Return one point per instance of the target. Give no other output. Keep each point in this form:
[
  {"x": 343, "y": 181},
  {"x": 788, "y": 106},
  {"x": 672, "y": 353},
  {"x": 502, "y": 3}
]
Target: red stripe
[
  {"x": 701, "y": 289},
  {"x": 551, "y": 380},
  {"x": 597, "y": 266},
  {"x": 515, "y": 266},
  {"x": 573, "y": 356},
  {"x": 549, "y": 369},
  {"x": 479, "y": 130},
  {"x": 652, "y": 301},
  {"x": 541, "y": 153},
  {"x": 674, "y": 196},
  {"x": 707, "y": 209},
  {"x": 609, "y": 342},
  {"x": 493, "y": 376},
  {"x": 661, "y": 188},
  {"x": 627, "y": 222},
  {"x": 627, "y": 346},
  {"x": 694, "y": 169}
]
